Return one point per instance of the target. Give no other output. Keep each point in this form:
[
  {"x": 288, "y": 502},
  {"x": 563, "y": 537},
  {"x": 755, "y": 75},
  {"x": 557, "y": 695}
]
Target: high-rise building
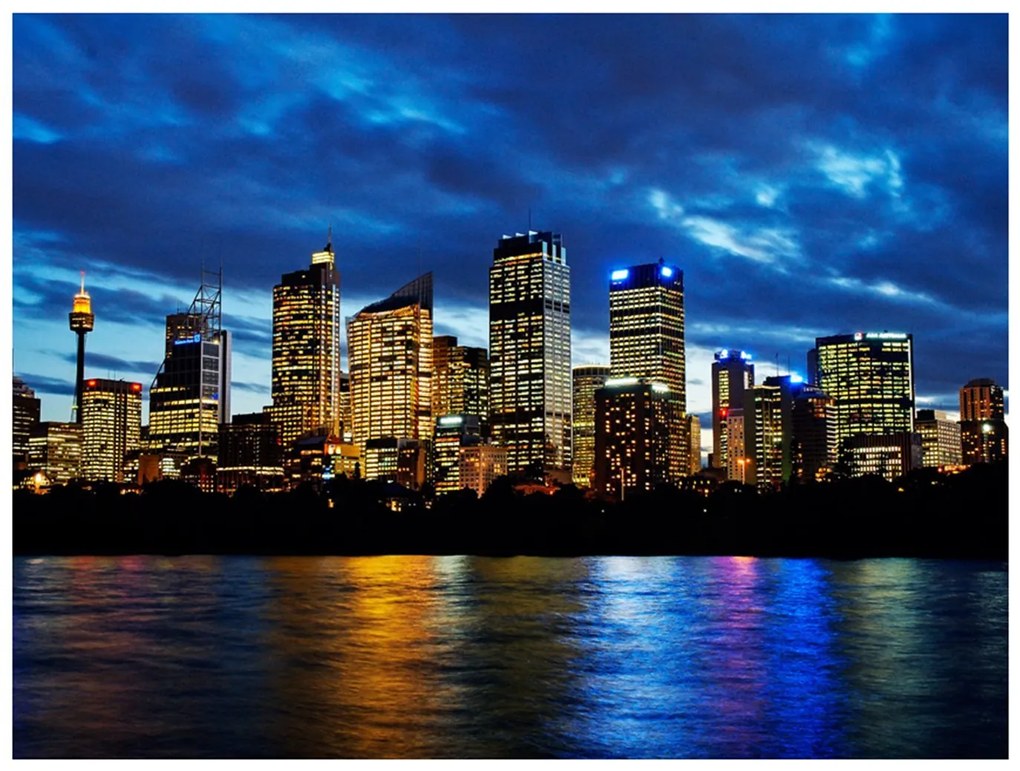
[
  {"x": 249, "y": 454},
  {"x": 646, "y": 340},
  {"x": 390, "y": 355},
  {"x": 886, "y": 455},
  {"x": 694, "y": 434},
  {"x": 452, "y": 433},
  {"x": 529, "y": 349},
  {"x": 54, "y": 449},
  {"x": 984, "y": 435},
  {"x": 587, "y": 380},
  {"x": 732, "y": 377},
  {"x": 82, "y": 321},
  {"x": 480, "y": 465},
  {"x": 787, "y": 432},
  {"x": 460, "y": 379},
  {"x": 634, "y": 443},
  {"x": 940, "y": 439},
  {"x": 813, "y": 445},
  {"x": 111, "y": 427},
  {"x": 190, "y": 396},
  {"x": 870, "y": 376},
  {"x": 306, "y": 349},
  {"x": 24, "y": 419}
]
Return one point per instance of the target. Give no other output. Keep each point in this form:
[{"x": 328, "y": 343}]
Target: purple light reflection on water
[{"x": 524, "y": 657}]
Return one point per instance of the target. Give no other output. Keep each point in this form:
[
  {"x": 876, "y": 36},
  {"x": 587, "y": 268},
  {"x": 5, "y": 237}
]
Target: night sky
[{"x": 811, "y": 175}]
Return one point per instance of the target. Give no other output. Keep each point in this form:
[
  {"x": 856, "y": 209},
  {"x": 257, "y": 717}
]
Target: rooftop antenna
[{"x": 529, "y": 219}]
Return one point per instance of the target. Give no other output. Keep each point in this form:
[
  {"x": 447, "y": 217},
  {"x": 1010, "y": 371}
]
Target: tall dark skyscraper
[
  {"x": 82, "y": 321},
  {"x": 529, "y": 349},
  {"x": 732, "y": 378},
  {"x": 306, "y": 349},
  {"x": 190, "y": 395},
  {"x": 646, "y": 341}
]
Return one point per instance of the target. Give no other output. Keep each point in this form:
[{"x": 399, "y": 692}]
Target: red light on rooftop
[
  {"x": 136, "y": 386},
  {"x": 92, "y": 384}
]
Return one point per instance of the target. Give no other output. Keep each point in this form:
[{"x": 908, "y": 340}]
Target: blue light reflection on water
[{"x": 523, "y": 657}]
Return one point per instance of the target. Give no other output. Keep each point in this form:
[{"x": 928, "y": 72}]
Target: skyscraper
[
  {"x": 587, "y": 380},
  {"x": 390, "y": 356},
  {"x": 940, "y": 439},
  {"x": 460, "y": 379},
  {"x": 306, "y": 349},
  {"x": 732, "y": 377},
  {"x": 635, "y": 445},
  {"x": 529, "y": 349},
  {"x": 646, "y": 341},
  {"x": 190, "y": 396},
  {"x": 54, "y": 449},
  {"x": 111, "y": 427},
  {"x": 82, "y": 321},
  {"x": 870, "y": 375},
  {"x": 24, "y": 419},
  {"x": 983, "y": 432}
]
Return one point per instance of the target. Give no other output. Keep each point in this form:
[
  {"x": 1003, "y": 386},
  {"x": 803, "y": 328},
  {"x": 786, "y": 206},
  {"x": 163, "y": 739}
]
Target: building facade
[
  {"x": 732, "y": 378},
  {"x": 111, "y": 428},
  {"x": 984, "y": 436},
  {"x": 634, "y": 442},
  {"x": 190, "y": 395},
  {"x": 249, "y": 454},
  {"x": 587, "y": 380},
  {"x": 452, "y": 433},
  {"x": 306, "y": 349},
  {"x": 54, "y": 450},
  {"x": 646, "y": 341},
  {"x": 480, "y": 465},
  {"x": 529, "y": 349},
  {"x": 24, "y": 420},
  {"x": 886, "y": 455},
  {"x": 870, "y": 377},
  {"x": 940, "y": 439},
  {"x": 460, "y": 379},
  {"x": 390, "y": 357}
]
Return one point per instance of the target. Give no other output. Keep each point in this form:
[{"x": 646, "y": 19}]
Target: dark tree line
[{"x": 923, "y": 514}]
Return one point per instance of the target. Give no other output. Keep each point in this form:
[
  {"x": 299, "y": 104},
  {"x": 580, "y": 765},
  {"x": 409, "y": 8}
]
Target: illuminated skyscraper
[
  {"x": 452, "y": 433},
  {"x": 635, "y": 447},
  {"x": 983, "y": 432},
  {"x": 587, "y": 380},
  {"x": 460, "y": 379},
  {"x": 940, "y": 439},
  {"x": 646, "y": 340},
  {"x": 870, "y": 375},
  {"x": 82, "y": 321},
  {"x": 732, "y": 377},
  {"x": 54, "y": 449},
  {"x": 24, "y": 419},
  {"x": 694, "y": 436},
  {"x": 787, "y": 430},
  {"x": 306, "y": 349},
  {"x": 390, "y": 355},
  {"x": 111, "y": 427},
  {"x": 529, "y": 349},
  {"x": 190, "y": 395},
  {"x": 249, "y": 454}
]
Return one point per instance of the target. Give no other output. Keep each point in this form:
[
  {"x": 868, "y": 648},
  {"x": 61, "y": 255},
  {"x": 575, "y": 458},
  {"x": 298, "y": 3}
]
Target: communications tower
[{"x": 82, "y": 321}]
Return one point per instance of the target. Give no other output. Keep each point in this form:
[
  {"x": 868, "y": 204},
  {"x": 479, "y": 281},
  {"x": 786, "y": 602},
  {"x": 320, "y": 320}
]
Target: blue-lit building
[
  {"x": 646, "y": 341},
  {"x": 732, "y": 378}
]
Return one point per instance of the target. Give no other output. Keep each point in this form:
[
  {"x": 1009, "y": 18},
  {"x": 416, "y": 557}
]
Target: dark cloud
[
  {"x": 812, "y": 173},
  {"x": 46, "y": 384},
  {"x": 255, "y": 388}
]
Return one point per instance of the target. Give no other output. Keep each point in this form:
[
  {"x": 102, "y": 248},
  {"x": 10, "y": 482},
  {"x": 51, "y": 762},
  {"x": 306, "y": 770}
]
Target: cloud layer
[{"x": 811, "y": 174}]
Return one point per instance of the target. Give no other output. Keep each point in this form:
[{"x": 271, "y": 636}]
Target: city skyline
[{"x": 798, "y": 200}]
